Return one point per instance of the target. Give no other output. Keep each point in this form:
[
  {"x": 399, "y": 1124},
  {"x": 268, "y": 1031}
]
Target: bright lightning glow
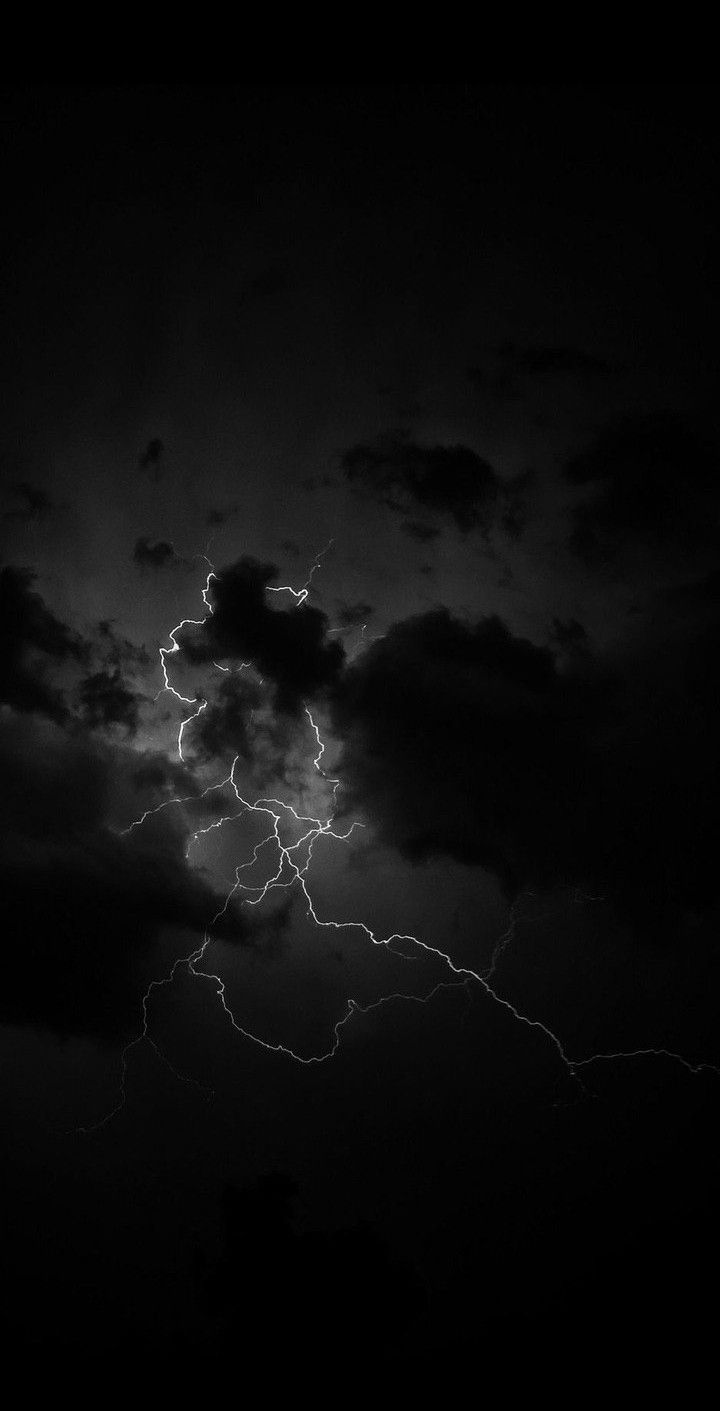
[
  {"x": 166, "y": 652},
  {"x": 291, "y": 871},
  {"x": 300, "y": 594}
]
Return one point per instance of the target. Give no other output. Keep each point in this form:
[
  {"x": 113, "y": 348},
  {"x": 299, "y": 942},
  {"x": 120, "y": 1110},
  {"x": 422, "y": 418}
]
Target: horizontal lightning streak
[{"x": 300, "y": 594}]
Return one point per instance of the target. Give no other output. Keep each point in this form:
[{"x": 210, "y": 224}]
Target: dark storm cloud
[
  {"x": 152, "y": 458},
  {"x": 653, "y": 480},
  {"x": 40, "y": 657},
  {"x": 454, "y": 737},
  {"x": 568, "y": 636},
  {"x": 34, "y": 503},
  {"x": 117, "y": 651},
  {"x": 450, "y": 481},
  {"x": 469, "y": 742},
  {"x": 33, "y": 642},
  {"x": 215, "y": 518},
  {"x": 238, "y": 723},
  {"x": 105, "y": 699},
  {"x": 286, "y": 642},
  {"x": 83, "y": 905},
  {"x": 154, "y": 556},
  {"x": 354, "y": 614},
  {"x": 225, "y": 725}
]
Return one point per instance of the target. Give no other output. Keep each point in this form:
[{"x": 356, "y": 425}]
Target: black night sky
[{"x": 361, "y": 959}]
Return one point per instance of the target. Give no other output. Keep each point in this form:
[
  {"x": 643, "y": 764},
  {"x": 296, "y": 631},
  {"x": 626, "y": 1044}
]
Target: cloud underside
[
  {"x": 154, "y": 555},
  {"x": 48, "y": 669},
  {"x": 288, "y": 644},
  {"x": 446, "y": 483},
  {"x": 467, "y": 742},
  {"x": 84, "y": 904}
]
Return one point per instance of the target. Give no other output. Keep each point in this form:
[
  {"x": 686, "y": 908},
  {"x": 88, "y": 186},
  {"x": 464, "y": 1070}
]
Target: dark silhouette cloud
[
  {"x": 116, "y": 650},
  {"x": 569, "y": 637},
  {"x": 654, "y": 480},
  {"x": 154, "y": 556},
  {"x": 32, "y": 641},
  {"x": 286, "y": 642},
  {"x": 451, "y": 481},
  {"x": 354, "y": 614},
  {"x": 470, "y": 742},
  {"x": 451, "y": 741},
  {"x": 152, "y": 458},
  {"x": 84, "y": 905},
  {"x": 105, "y": 699},
  {"x": 225, "y": 724},
  {"x": 40, "y": 657}
]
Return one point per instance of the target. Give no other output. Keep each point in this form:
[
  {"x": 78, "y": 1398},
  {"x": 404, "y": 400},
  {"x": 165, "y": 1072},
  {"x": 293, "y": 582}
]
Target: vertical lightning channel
[{"x": 166, "y": 652}]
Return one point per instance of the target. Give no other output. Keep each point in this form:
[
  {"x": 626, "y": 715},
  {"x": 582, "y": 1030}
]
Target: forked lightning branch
[{"x": 293, "y": 870}]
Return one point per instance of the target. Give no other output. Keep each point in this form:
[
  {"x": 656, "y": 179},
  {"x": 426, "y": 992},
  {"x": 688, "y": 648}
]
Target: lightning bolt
[
  {"x": 291, "y": 871},
  {"x": 166, "y": 652},
  {"x": 300, "y": 594}
]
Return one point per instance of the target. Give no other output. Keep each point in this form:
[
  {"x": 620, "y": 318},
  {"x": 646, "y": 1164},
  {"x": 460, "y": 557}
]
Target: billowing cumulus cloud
[
  {"x": 115, "y": 650},
  {"x": 287, "y": 642},
  {"x": 456, "y": 737},
  {"x": 354, "y": 614},
  {"x": 84, "y": 904},
  {"x": 452, "y": 482},
  {"x": 106, "y": 699},
  {"x": 154, "y": 556},
  {"x": 469, "y": 742},
  {"x": 41, "y": 656},
  {"x": 34, "y": 643},
  {"x": 225, "y": 726}
]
